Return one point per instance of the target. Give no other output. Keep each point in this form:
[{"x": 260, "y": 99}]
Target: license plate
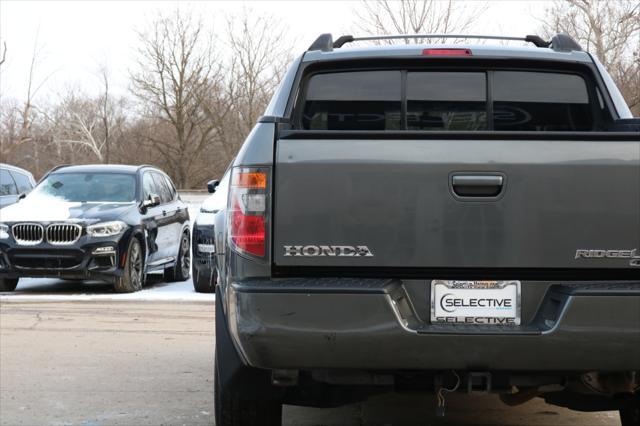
[{"x": 475, "y": 302}]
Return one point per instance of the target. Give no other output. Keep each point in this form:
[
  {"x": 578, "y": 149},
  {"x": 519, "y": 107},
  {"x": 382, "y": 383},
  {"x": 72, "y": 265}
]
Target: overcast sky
[{"x": 74, "y": 38}]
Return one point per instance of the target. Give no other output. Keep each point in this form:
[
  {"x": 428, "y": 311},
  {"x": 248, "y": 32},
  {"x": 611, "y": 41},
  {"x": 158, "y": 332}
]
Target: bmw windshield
[{"x": 88, "y": 187}]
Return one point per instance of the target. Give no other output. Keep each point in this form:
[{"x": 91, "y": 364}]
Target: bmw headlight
[
  {"x": 106, "y": 229},
  {"x": 4, "y": 231}
]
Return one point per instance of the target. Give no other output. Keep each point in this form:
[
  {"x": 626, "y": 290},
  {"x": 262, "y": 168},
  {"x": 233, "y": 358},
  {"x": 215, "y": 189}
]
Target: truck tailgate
[{"x": 397, "y": 197}]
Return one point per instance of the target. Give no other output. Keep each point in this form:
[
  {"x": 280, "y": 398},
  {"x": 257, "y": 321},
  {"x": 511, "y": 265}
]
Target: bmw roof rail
[{"x": 559, "y": 42}]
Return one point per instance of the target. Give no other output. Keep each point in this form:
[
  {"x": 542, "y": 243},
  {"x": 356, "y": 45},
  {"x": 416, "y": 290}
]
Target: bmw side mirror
[
  {"x": 212, "y": 185},
  {"x": 152, "y": 201}
]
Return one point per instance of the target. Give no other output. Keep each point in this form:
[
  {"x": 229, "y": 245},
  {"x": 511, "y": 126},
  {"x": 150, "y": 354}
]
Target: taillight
[
  {"x": 248, "y": 209},
  {"x": 447, "y": 52}
]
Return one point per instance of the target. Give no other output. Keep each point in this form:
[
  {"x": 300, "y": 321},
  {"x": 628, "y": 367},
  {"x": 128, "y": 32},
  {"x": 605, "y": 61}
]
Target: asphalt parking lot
[{"x": 145, "y": 362}]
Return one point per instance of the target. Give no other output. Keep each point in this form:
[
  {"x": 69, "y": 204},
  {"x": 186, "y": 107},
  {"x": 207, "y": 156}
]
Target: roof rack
[{"x": 559, "y": 42}]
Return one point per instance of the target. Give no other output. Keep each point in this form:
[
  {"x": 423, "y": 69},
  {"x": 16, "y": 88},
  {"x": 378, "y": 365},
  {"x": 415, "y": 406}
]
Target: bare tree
[
  {"x": 76, "y": 123},
  {"x": 13, "y": 149},
  {"x": 10, "y": 127},
  {"x": 259, "y": 54},
  {"x": 608, "y": 29},
  {"x": 627, "y": 76},
  {"x": 3, "y": 57},
  {"x": 105, "y": 112},
  {"x": 177, "y": 70},
  {"x": 25, "y": 113},
  {"x": 388, "y": 17},
  {"x": 195, "y": 104}
]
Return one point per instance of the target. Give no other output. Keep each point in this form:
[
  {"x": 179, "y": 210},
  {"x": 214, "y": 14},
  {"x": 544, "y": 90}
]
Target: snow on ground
[{"x": 53, "y": 289}]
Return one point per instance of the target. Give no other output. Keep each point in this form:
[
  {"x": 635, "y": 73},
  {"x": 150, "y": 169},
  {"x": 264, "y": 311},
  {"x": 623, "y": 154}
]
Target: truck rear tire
[{"x": 8, "y": 284}]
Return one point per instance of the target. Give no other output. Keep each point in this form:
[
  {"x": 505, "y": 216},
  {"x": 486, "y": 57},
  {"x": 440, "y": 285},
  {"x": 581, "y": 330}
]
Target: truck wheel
[
  {"x": 131, "y": 279},
  {"x": 180, "y": 272},
  {"x": 204, "y": 282},
  {"x": 8, "y": 284},
  {"x": 630, "y": 416},
  {"x": 237, "y": 404}
]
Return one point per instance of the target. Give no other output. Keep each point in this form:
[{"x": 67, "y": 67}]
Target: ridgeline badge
[{"x": 632, "y": 255}]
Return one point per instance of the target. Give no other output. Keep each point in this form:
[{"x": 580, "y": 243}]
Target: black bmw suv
[{"x": 107, "y": 222}]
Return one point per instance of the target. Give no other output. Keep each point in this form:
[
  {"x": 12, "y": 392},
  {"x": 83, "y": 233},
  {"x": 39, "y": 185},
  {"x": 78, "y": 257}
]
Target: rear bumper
[{"x": 379, "y": 324}]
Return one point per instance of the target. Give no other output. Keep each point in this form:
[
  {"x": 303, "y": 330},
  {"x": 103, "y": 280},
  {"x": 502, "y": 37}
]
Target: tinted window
[
  {"x": 148, "y": 186},
  {"x": 88, "y": 187},
  {"x": 538, "y": 101},
  {"x": 450, "y": 100},
  {"x": 446, "y": 101},
  {"x": 172, "y": 188},
  {"x": 163, "y": 189},
  {"x": 7, "y": 186},
  {"x": 366, "y": 100},
  {"x": 22, "y": 181}
]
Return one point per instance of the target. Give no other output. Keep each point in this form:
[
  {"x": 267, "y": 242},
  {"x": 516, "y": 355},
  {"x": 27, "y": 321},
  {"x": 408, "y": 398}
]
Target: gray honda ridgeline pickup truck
[{"x": 431, "y": 218}]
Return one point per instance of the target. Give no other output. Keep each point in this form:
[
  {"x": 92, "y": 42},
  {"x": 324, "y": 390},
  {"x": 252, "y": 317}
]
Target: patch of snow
[{"x": 51, "y": 289}]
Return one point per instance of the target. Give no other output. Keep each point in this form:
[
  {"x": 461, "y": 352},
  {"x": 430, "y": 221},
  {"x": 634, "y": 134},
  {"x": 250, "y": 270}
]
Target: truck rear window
[
  {"x": 447, "y": 101},
  {"x": 369, "y": 100},
  {"x": 533, "y": 101}
]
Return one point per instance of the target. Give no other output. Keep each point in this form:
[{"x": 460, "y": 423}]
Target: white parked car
[{"x": 203, "y": 267}]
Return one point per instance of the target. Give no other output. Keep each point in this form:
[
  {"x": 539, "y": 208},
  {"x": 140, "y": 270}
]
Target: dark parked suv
[
  {"x": 107, "y": 222},
  {"x": 433, "y": 218}
]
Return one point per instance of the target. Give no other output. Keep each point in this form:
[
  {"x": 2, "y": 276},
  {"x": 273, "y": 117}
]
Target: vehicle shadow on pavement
[{"x": 414, "y": 410}]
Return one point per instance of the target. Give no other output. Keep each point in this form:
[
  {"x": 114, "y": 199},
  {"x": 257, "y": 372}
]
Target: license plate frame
[{"x": 453, "y": 301}]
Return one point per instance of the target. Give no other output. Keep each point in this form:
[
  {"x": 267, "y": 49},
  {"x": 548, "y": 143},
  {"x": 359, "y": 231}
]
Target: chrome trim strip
[{"x": 162, "y": 261}]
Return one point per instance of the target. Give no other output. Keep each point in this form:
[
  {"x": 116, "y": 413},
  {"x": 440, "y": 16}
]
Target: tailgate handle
[{"x": 477, "y": 185}]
